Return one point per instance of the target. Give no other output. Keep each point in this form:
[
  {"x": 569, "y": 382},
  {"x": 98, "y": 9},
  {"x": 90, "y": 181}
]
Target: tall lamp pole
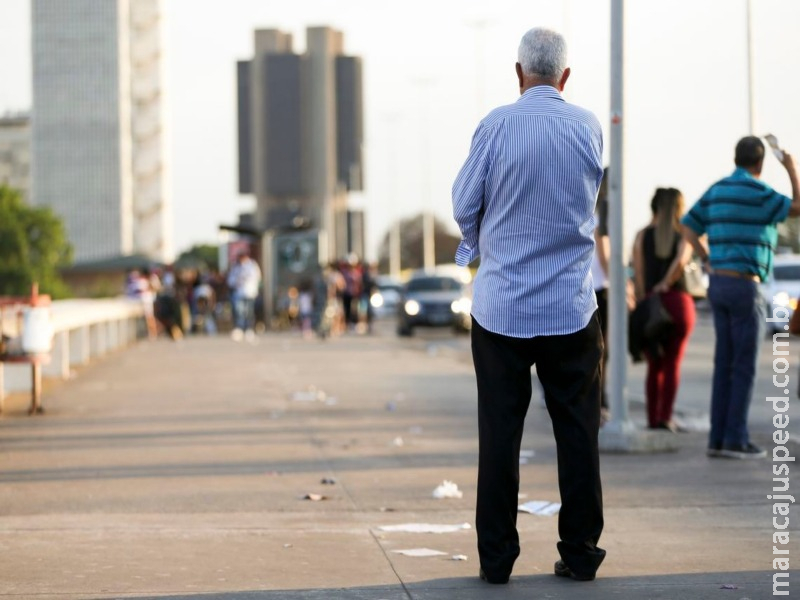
[
  {"x": 395, "y": 266},
  {"x": 620, "y": 434},
  {"x": 614, "y": 434},
  {"x": 428, "y": 229},
  {"x": 751, "y": 105}
]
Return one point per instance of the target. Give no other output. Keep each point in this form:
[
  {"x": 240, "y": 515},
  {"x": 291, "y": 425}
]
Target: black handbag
[{"x": 649, "y": 325}]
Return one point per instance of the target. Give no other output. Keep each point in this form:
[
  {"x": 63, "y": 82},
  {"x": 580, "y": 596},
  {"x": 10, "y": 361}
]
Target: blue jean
[
  {"x": 739, "y": 323},
  {"x": 244, "y": 312}
]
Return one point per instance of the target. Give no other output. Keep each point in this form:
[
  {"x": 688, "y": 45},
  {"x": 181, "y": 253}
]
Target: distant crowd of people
[{"x": 332, "y": 301}]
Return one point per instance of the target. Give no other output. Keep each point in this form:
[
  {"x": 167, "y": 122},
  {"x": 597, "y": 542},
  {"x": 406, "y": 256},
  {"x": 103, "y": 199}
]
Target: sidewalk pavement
[{"x": 180, "y": 470}]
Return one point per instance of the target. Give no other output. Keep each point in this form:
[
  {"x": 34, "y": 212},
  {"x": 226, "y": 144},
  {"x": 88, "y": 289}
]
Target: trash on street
[
  {"x": 420, "y": 552},
  {"x": 425, "y": 528},
  {"x": 447, "y": 489},
  {"x": 543, "y": 508}
]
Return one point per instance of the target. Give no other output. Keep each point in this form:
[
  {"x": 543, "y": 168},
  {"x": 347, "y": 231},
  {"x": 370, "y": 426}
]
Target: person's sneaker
[
  {"x": 746, "y": 452},
  {"x": 562, "y": 570},
  {"x": 714, "y": 451},
  {"x": 237, "y": 335}
]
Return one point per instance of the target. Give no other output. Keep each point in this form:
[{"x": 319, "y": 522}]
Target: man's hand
[{"x": 791, "y": 169}]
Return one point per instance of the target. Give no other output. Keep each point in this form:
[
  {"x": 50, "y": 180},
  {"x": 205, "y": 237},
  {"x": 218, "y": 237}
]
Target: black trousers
[
  {"x": 569, "y": 368},
  {"x": 602, "y": 314}
]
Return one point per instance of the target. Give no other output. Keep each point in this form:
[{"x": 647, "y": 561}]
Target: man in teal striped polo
[{"x": 733, "y": 229}]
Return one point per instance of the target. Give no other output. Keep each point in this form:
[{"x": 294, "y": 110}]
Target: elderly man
[{"x": 524, "y": 201}]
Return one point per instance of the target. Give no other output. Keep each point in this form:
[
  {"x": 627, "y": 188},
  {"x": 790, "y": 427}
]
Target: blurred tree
[
  {"x": 33, "y": 247},
  {"x": 411, "y": 247},
  {"x": 200, "y": 254}
]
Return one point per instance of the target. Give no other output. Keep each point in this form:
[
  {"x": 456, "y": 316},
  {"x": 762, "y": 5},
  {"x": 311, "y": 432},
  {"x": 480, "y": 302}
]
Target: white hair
[{"x": 543, "y": 52}]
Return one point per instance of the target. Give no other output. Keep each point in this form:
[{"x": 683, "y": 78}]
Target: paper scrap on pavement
[
  {"x": 447, "y": 489},
  {"x": 425, "y": 528},
  {"x": 420, "y": 552},
  {"x": 314, "y": 497},
  {"x": 459, "y": 557},
  {"x": 312, "y": 394},
  {"x": 540, "y": 507}
]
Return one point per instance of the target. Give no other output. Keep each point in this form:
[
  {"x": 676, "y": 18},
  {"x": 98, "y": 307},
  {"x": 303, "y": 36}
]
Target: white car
[
  {"x": 386, "y": 296},
  {"x": 783, "y": 287}
]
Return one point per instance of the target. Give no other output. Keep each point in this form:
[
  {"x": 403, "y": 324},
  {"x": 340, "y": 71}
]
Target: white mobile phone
[{"x": 773, "y": 143}]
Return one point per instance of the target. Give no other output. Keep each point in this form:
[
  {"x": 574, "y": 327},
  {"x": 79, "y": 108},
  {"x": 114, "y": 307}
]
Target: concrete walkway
[{"x": 181, "y": 470}]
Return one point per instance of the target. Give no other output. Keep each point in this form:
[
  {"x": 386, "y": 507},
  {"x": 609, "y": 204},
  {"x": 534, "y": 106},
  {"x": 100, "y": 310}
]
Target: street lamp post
[
  {"x": 620, "y": 434},
  {"x": 428, "y": 229},
  {"x": 395, "y": 266},
  {"x": 751, "y": 105}
]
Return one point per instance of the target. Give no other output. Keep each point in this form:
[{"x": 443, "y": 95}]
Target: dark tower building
[{"x": 300, "y": 126}]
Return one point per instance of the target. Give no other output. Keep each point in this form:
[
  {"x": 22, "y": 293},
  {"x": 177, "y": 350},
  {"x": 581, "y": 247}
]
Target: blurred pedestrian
[
  {"x": 243, "y": 280},
  {"x": 600, "y": 280},
  {"x": 524, "y": 201},
  {"x": 732, "y": 228},
  {"x": 659, "y": 256},
  {"x": 139, "y": 287},
  {"x": 368, "y": 287},
  {"x": 204, "y": 302},
  {"x": 305, "y": 307}
]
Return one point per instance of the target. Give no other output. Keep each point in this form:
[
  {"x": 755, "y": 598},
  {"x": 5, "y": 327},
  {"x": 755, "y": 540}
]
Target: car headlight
[
  {"x": 462, "y": 305},
  {"x": 376, "y": 300},
  {"x": 411, "y": 307}
]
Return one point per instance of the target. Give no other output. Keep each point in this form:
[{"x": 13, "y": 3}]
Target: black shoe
[
  {"x": 487, "y": 579},
  {"x": 562, "y": 570},
  {"x": 745, "y": 452}
]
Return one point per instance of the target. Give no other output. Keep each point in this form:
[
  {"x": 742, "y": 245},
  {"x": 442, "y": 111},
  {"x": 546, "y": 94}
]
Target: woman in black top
[{"x": 659, "y": 255}]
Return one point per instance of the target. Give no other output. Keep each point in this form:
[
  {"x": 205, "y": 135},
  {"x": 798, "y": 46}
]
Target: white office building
[{"x": 98, "y": 138}]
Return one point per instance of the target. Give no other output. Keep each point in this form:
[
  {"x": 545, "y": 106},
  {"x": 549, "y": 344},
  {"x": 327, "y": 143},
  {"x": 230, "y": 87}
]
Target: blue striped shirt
[
  {"x": 739, "y": 213},
  {"x": 524, "y": 201}
]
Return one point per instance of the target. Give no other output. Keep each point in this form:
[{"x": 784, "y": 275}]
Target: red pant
[{"x": 664, "y": 372}]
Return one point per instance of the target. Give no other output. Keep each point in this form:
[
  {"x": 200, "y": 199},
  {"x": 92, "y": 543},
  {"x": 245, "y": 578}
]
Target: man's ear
[
  {"x": 518, "y": 68},
  {"x": 563, "y": 81}
]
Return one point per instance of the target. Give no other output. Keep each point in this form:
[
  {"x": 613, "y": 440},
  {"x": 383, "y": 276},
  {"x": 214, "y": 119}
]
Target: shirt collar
[
  {"x": 742, "y": 173},
  {"x": 542, "y": 91}
]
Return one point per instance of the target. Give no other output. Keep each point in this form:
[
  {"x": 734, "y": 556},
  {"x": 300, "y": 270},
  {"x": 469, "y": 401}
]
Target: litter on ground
[
  {"x": 420, "y": 552},
  {"x": 425, "y": 528},
  {"x": 447, "y": 489},
  {"x": 542, "y": 508}
]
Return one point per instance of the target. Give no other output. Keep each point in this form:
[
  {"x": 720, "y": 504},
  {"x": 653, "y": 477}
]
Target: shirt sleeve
[
  {"x": 697, "y": 218},
  {"x": 468, "y": 197},
  {"x": 779, "y": 205}
]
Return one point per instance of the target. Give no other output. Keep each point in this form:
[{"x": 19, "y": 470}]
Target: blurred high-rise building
[
  {"x": 300, "y": 135},
  {"x": 15, "y": 151},
  {"x": 98, "y": 137}
]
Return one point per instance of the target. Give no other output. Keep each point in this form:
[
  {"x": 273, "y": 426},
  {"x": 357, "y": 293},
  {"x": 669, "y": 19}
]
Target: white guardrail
[{"x": 83, "y": 330}]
